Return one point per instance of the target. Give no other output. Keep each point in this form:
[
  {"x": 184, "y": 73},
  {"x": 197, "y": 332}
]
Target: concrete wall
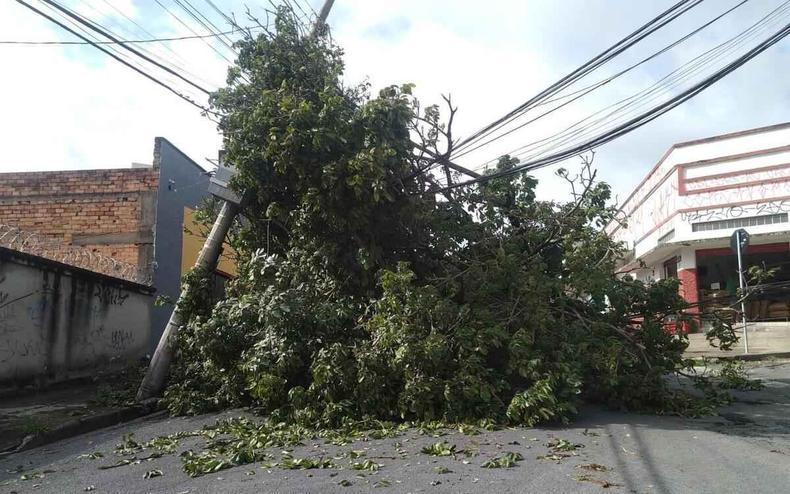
[{"x": 58, "y": 322}]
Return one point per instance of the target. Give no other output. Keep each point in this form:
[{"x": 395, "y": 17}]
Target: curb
[
  {"x": 85, "y": 425},
  {"x": 750, "y": 357}
]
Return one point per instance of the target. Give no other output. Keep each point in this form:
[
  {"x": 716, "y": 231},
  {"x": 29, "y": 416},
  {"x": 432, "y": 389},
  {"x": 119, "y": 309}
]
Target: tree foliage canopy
[{"x": 362, "y": 293}]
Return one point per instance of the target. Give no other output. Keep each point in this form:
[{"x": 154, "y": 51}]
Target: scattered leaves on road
[
  {"x": 289, "y": 463},
  {"x": 366, "y": 465},
  {"x": 558, "y": 445},
  {"x": 468, "y": 430},
  {"x": 595, "y": 467},
  {"x": 507, "y": 460},
  {"x": 560, "y": 449},
  {"x": 589, "y": 478},
  {"x": 31, "y": 476},
  {"x": 439, "y": 449},
  {"x": 92, "y": 456},
  {"x": 356, "y": 453},
  {"x": 128, "y": 445}
]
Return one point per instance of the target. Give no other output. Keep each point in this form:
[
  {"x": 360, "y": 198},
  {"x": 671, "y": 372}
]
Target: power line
[
  {"x": 641, "y": 33},
  {"x": 619, "y": 47},
  {"x": 140, "y": 28},
  {"x": 208, "y": 25},
  {"x": 128, "y": 41},
  {"x": 180, "y": 21},
  {"x": 90, "y": 35},
  {"x": 663, "y": 85},
  {"x": 103, "y": 32},
  {"x": 115, "y": 49},
  {"x": 592, "y": 87},
  {"x": 230, "y": 20},
  {"x": 177, "y": 63},
  {"x": 116, "y": 57},
  {"x": 633, "y": 123}
]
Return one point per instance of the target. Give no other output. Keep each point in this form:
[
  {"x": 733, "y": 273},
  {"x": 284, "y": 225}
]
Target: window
[
  {"x": 667, "y": 237},
  {"x": 671, "y": 268},
  {"x": 739, "y": 222}
]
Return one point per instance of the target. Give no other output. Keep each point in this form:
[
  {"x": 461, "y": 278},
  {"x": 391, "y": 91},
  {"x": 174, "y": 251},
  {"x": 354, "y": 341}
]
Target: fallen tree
[{"x": 362, "y": 293}]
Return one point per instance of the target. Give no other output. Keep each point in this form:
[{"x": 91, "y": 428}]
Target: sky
[{"x": 72, "y": 107}]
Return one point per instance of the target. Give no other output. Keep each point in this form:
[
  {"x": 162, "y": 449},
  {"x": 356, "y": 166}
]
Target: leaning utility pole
[{"x": 154, "y": 381}]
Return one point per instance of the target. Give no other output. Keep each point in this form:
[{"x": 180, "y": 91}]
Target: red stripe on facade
[
  {"x": 752, "y": 249},
  {"x": 682, "y": 190},
  {"x": 734, "y": 186},
  {"x": 739, "y": 172}
]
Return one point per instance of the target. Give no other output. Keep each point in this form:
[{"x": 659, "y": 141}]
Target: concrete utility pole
[
  {"x": 154, "y": 381},
  {"x": 319, "y": 23}
]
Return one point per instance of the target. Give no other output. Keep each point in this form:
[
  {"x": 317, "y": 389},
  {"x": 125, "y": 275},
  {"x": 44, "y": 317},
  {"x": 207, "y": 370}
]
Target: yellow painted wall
[{"x": 192, "y": 243}]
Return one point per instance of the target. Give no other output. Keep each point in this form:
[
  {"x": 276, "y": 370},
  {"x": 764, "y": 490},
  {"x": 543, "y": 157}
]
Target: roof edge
[
  {"x": 157, "y": 147},
  {"x": 733, "y": 135},
  {"x": 704, "y": 140}
]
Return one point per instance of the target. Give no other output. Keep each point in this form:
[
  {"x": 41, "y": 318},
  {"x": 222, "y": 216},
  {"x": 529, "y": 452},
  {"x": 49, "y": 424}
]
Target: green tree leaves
[{"x": 362, "y": 296}]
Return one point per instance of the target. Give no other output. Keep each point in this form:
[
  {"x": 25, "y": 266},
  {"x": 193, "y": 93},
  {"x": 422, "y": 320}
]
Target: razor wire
[{"x": 53, "y": 249}]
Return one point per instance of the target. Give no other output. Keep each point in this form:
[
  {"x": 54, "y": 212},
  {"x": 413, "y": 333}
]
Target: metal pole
[
  {"x": 154, "y": 380},
  {"x": 742, "y": 295}
]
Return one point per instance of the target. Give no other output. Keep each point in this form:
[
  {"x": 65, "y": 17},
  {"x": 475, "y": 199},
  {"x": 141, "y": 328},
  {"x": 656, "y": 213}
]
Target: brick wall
[{"x": 108, "y": 211}]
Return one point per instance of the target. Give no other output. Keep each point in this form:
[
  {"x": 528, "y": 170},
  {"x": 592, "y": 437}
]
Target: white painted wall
[{"x": 660, "y": 205}]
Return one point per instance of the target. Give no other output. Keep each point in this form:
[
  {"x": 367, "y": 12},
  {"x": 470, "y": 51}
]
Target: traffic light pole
[{"x": 743, "y": 294}]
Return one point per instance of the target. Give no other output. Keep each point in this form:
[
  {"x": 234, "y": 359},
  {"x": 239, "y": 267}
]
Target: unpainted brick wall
[{"x": 67, "y": 205}]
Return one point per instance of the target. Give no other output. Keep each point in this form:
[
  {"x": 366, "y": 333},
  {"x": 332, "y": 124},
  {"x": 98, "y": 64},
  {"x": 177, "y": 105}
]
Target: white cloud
[{"x": 71, "y": 108}]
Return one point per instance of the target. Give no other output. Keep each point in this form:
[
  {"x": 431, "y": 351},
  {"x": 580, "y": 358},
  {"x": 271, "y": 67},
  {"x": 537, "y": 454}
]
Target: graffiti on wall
[
  {"x": 101, "y": 334},
  {"x": 665, "y": 201},
  {"x": 12, "y": 316},
  {"x": 652, "y": 209},
  {"x": 76, "y": 324},
  {"x": 110, "y": 295},
  {"x": 730, "y": 212},
  {"x": 734, "y": 180}
]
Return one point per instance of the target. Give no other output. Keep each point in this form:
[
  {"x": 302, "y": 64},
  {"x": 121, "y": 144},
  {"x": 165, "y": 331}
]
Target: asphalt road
[{"x": 744, "y": 449}]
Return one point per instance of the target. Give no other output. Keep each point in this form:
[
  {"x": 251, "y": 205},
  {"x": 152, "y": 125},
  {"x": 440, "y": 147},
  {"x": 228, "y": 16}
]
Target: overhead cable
[
  {"x": 116, "y": 57},
  {"x": 619, "y": 47},
  {"x": 592, "y": 87},
  {"x": 634, "y": 123},
  {"x": 109, "y": 36},
  {"x": 663, "y": 85},
  {"x": 127, "y": 41},
  {"x": 181, "y": 21}
]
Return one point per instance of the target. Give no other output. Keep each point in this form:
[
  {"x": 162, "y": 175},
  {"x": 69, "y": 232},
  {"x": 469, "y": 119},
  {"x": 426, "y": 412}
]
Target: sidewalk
[
  {"x": 765, "y": 339},
  {"x": 33, "y": 417},
  {"x": 43, "y": 411}
]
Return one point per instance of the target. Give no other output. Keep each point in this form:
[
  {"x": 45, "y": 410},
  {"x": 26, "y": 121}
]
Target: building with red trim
[{"x": 679, "y": 219}]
